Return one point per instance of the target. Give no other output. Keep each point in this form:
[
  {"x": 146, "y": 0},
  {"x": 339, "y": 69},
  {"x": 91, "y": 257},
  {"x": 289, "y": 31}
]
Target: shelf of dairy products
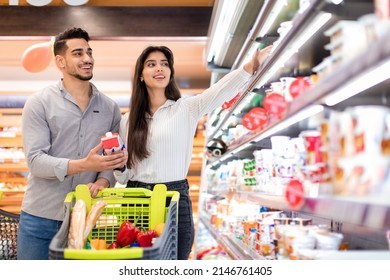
[
  {"x": 357, "y": 79},
  {"x": 280, "y": 236},
  {"x": 354, "y": 77},
  {"x": 299, "y": 27},
  {"x": 369, "y": 212},
  {"x": 235, "y": 248}
]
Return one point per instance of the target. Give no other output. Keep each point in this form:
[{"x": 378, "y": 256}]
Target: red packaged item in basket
[{"x": 112, "y": 143}]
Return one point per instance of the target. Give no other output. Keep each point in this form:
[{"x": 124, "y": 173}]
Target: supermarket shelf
[
  {"x": 371, "y": 212},
  {"x": 234, "y": 248},
  {"x": 363, "y": 220},
  {"x": 376, "y": 55},
  {"x": 14, "y": 167},
  {"x": 11, "y": 201},
  {"x": 13, "y": 161},
  {"x": 15, "y": 141},
  {"x": 14, "y": 180},
  {"x": 352, "y": 255},
  {"x": 299, "y": 22}
]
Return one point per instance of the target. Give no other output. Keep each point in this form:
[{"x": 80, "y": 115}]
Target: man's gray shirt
[{"x": 54, "y": 131}]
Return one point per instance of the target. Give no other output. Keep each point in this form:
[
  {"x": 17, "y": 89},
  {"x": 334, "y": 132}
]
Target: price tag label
[{"x": 295, "y": 194}]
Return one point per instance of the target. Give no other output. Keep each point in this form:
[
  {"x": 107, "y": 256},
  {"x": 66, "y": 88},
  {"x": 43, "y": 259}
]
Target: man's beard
[{"x": 82, "y": 78}]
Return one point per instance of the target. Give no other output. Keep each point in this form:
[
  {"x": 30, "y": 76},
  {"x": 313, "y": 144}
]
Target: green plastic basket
[{"x": 122, "y": 204}]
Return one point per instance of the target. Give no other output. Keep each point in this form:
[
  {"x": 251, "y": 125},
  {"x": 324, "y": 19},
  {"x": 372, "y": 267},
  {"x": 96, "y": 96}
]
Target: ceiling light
[{"x": 228, "y": 14}]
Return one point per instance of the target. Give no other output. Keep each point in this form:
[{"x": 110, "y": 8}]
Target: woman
[{"x": 159, "y": 129}]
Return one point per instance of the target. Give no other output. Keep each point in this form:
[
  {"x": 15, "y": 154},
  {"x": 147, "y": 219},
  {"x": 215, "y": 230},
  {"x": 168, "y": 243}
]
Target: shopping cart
[
  {"x": 123, "y": 204},
  {"x": 9, "y": 223}
]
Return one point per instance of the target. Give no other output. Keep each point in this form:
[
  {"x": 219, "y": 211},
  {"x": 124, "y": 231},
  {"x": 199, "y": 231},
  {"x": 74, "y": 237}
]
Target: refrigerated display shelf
[
  {"x": 377, "y": 55},
  {"x": 235, "y": 248},
  {"x": 368, "y": 212},
  {"x": 366, "y": 218}
]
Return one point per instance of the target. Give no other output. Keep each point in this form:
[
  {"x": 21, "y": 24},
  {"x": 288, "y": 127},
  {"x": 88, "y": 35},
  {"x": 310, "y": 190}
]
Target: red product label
[
  {"x": 230, "y": 103},
  {"x": 313, "y": 147},
  {"x": 110, "y": 142},
  {"x": 275, "y": 103},
  {"x": 295, "y": 194},
  {"x": 247, "y": 123},
  {"x": 298, "y": 86},
  {"x": 255, "y": 118}
]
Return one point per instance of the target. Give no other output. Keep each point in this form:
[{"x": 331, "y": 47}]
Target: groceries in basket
[
  {"x": 132, "y": 236},
  {"x": 119, "y": 223},
  {"x": 81, "y": 225},
  {"x": 152, "y": 214}
]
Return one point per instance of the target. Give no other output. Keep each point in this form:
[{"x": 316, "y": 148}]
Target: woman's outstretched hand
[{"x": 257, "y": 60}]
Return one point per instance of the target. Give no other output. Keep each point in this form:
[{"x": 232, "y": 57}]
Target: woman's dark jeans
[{"x": 186, "y": 229}]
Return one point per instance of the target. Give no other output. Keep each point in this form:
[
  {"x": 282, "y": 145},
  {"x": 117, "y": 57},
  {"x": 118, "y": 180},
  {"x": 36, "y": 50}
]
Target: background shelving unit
[
  {"x": 362, "y": 219},
  {"x": 12, "y": 171}
]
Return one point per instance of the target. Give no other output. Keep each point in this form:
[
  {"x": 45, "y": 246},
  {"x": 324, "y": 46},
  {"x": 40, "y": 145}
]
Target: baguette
[
  {"x": 93, "y": 216},
  {"x": 77, "y": 225}
]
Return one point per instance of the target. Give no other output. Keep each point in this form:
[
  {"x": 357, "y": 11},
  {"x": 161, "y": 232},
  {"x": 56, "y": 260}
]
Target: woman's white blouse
[{"x": 172, "y": 131}]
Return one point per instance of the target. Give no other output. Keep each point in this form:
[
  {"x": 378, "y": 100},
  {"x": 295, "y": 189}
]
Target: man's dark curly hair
[{"x": 60, "y": 46}]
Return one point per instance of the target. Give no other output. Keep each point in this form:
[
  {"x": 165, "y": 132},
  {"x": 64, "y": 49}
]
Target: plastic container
[
  {"x": 328, "y": 240},
  {"x": 122, "y": 204},
  {"x": 252, "y": 238},
  {"x": 9, "y": 223},
  {"x": 279, "y": 145}
]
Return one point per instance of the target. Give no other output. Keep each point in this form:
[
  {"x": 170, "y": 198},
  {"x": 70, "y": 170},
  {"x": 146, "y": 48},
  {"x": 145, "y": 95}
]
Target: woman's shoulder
[{"x": 125, "y": 117}]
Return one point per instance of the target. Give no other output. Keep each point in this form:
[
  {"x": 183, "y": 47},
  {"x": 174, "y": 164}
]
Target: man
[{"x": 62, "y": 126}]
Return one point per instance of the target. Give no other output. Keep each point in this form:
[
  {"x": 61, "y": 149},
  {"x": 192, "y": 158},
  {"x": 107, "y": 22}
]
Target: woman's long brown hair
[{"x": 138, "y": 124}]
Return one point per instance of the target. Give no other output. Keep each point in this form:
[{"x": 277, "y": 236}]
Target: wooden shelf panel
[
  {"x": 14, "y": 180},
  {"x": 10, "y": 117},
  {"x": 12, "y": 201},
  {"x": 13, "y": 167},
  {"x": 11, "y": 208},
  {"x": 11, "y": 141},
  {"x": 13, "y": 161}
]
